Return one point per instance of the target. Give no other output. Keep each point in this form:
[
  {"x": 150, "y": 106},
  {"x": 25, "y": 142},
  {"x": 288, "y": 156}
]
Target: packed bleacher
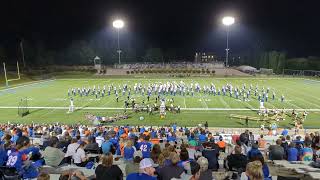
[
  {"x": 172, "y": 65},
  {"x": 165, "y": 153}
]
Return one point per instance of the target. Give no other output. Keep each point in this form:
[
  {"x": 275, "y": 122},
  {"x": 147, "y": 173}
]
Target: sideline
[
  {"x": 27, "y": 84},
  {"x": 116, "y": 108}
]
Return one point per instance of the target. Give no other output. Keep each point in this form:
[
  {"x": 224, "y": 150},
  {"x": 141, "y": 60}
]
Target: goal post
[
  {"x": 23, "y": 109},
  {"x": 6, "y": 76}
]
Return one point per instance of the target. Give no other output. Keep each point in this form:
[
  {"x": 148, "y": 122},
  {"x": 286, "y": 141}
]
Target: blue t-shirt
[
  {"x": 202, "y": 138},
  {"x": 121, "y": 131},
  {"x": 142, "y": 130},
  {"x": 31, "y": 132},
  {"x": 1, "y": 134},
  {"x": 145, "y": 148},
  {"x": 174, "y": 127},
  {"x": 14, "y": 138},
  {"x": 285, "y": 132},
  {"x": 153, "y": 134},
  {"x": 128, "y": 153},
  {"x": 114, "y": 142},
  {"x": 182, "y": 163},
  {"x": 265, "y": 170},
  {"x": 3, "y": 155},
  {"x": 140, "y": 176},
  {"x": 16, "y": 159},
  {"x": 292, "y": 154},
  {"x": 106, "y": 147},
  {"x": 253, "y": 153},
  {"x": 171, "y": 138}
]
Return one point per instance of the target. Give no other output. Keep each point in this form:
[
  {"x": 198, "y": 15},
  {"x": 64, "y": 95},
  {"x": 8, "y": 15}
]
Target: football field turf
[{"x": 48, "y": 101}]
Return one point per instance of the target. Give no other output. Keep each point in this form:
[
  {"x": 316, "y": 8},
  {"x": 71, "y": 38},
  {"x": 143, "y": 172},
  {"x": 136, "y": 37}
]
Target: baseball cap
[
  {"x": 137, "y": 153},
  {"x": 147, "y": 162}
]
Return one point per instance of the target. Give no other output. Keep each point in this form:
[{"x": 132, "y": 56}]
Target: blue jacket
[{"x": 17, "y": 158}]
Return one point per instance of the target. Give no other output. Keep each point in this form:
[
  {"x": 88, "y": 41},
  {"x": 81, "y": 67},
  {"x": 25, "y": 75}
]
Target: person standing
[{"x": 145, "y": 147}]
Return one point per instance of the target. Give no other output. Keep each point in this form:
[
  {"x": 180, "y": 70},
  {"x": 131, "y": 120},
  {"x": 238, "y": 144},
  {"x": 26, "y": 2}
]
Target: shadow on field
[
  {"x": 80, "y": 108},
  {"x": 242, "y": 124},
  {"x": 34, "y": 111}
]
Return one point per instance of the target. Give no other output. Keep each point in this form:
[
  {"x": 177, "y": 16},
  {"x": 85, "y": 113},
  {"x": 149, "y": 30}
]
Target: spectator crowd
[{"x": 133, "y": 152}]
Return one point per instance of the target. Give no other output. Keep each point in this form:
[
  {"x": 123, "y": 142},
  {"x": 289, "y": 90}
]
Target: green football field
[{"x": 48, "y": 101}]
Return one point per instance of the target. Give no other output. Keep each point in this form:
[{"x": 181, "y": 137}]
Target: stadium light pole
[
  {"x": 227, "y": 21},
  {"x": 118, "y": 24}
]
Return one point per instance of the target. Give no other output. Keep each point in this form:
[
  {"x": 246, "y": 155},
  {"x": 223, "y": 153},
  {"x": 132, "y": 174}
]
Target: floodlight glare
[
  {"x": 118, "y": 24},
  {"x": 228, "y": 20}
]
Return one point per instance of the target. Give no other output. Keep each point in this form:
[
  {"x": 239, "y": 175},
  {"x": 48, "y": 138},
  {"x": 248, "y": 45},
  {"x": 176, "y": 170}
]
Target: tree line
[
  {"x": 277, "y": 60},
  {"x": 82, "y": 52}
]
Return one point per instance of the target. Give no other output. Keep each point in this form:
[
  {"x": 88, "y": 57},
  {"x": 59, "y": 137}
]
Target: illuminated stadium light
[
  {"x": 228, "y": 20},
  {"x": 118, "y": 24}
]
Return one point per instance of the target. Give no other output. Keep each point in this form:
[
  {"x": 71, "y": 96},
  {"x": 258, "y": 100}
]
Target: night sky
[{"x": 286, "y": 25}]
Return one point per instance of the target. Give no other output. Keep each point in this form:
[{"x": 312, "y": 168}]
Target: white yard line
[
  {"x": 184, "y": 102},
  {"x": 141, "y": 78},
  {"x": 304, "y": 94},
  {"x": 204, "y": 102},
  {"x": 116, "y": 108},
  {"x": 249, "y": 105},
  {"x": 224, "y": 102},
  {"x": 106, "y": 95},
  {"x": 43, "y": 115},
  {"x": 292, "y": 104}
]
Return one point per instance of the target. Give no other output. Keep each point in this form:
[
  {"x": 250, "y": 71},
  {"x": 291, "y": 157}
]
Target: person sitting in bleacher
[
  {"x": 129, "y": 151},
  {"x": 265, "y": 168},
  {"x": 172, "y": 170},
  {"x": 195, "y": 170},
  {"x": 221, "y": 144},
  {"x": 92, "y": 146},
  {"x": 106, "y": 170},
  {"x": 253, "y": 171},
  {"x": 254, "y": 151},
  {"x": 133, "y": 166},
  {"x": 211, "y": 152},
  {"x": 4, "y": 147},
  {"x": 237, "y": 161},
  {"x": 276, "y": 152},
  {"x": 202, "y": 137},
  {"x": 71, "y": 149},
  {"x": 205, "y": 173},
  {"x": 306, "y": 153},
  {"x": 146, "y": 171},
  {"x": 52, "y": 155},
  {"x": 79, "y": 157},
  {"x": 192, "y": 142},
  {"x": 20, "y": 158},
  {"x": 184, "y": 157},
  {"x": 292, "y": 152},
  {"x": 107, "y": 145},
  {"x": 64, "y": 142}
]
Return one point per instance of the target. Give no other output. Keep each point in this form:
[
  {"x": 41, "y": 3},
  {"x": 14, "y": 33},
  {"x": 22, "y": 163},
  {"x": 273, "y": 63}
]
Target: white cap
[
  {"x": 144, "y": 163},
  {"x": 137, "y": 153}
]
